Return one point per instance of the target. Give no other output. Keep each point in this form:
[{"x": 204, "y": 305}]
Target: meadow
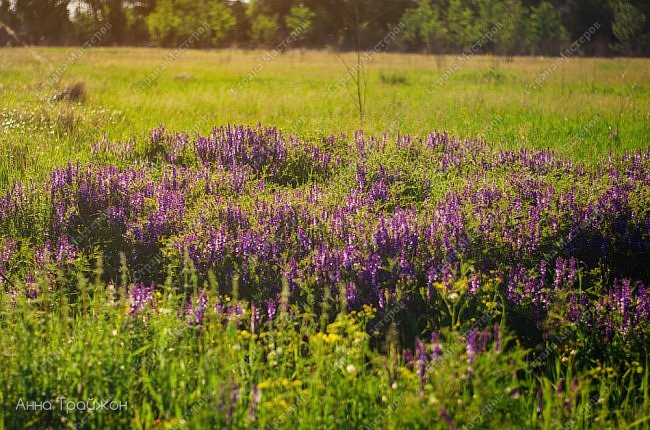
[
  {"x": 211, "y": 242},
  {"x": 573, "y": 111}
]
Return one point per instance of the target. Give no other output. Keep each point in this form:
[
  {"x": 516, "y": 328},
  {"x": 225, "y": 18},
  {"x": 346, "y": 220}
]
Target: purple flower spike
[
  {"x": 472, "y": 345},
  {"x": 256, "y": 396},
  {"x": 140, "y": 296},
  {"x": 474, "y": 285},
  {"x": 497, "y": 337},
  {"x": 408, "y": 357},
  {"x": 195, "y": 309},
  {"x": 421, "y": 360},
  {"x": 436, "y": 346},
  {"x": 271, "y": 308}
]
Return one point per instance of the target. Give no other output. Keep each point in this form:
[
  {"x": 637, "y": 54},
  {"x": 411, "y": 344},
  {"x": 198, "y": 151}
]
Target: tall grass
[{"x": 165, "y": 372}]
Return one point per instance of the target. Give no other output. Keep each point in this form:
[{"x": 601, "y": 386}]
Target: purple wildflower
[
  {"x": 256, "y": 396},
  {"x": 421, "y": 359},
  {"x": 472, "y": 345},
  {"x": 271, "y": 308},
  {"x": 140, "y": 297},
  {"x": 436, "y": 346}
]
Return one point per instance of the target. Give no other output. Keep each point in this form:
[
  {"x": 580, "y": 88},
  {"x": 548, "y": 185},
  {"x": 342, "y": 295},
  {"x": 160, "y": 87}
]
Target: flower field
[{"x": 247, "y": 278}]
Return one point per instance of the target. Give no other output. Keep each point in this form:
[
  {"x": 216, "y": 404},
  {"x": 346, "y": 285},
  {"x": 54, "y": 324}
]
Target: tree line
[{"x": 524, "y": 27}]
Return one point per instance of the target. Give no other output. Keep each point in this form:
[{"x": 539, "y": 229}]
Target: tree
[
  {"x": 509, "y": 16},
  {"x": 546, "y": 34},
  {"x": 175, "y": 21},
  {"x": 627, "y": 26},
  {"x": 117, "y": 20},
  {"x": 91, "y": 15},
  {"x": 267, "y": 19},
  {"x": 424, "y": 27},
  {"x": 264, "y": 29},
  {"x": 164, "y": 27},
  {"x": 135, "y": 13},
  {"x": 42, "y": 21},
  {"x": 6, "y": 14},
  {"x": 221, "y": 21},
  {"x": 300, "y": 21},
  {"x": 461, "y": 25},
  {"x": 241, "y": 31}
]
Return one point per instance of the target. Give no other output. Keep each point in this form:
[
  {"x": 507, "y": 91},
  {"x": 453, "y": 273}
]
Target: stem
[
  {"x": 4, "y": 278},
  {"x": 359, "y": 65}
]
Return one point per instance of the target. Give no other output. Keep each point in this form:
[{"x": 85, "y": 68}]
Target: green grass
[
  {"x": 292, "y": 373},
  {"x": 572, "y": 112}
]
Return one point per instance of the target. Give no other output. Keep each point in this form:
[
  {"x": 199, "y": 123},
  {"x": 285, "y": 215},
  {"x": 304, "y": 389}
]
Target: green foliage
[
  {"x": 173, "y": 22},
  {"x": 393, "y": 78},
  {"x": 546, "y": 34},
  {"x": 424, "y": 26},
  {"x": 300, "y": 21},
  {"x": 42, "y": 19},
  {"x": 264, "y": 29},
  {"x": 461, "y": 24},
  {"x": 510, "y": 18},
  {"x": 628, "y": 25},
  {"x": 136, "y": 25},
  {"x": 434, "y": 26}
]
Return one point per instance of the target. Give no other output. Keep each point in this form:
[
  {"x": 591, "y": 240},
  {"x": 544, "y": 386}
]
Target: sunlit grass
[{"x": 572, "y": 112}]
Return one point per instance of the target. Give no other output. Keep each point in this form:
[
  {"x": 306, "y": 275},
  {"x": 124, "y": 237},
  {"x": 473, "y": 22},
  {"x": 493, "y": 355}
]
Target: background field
[{"x": 573, "y": 111}]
